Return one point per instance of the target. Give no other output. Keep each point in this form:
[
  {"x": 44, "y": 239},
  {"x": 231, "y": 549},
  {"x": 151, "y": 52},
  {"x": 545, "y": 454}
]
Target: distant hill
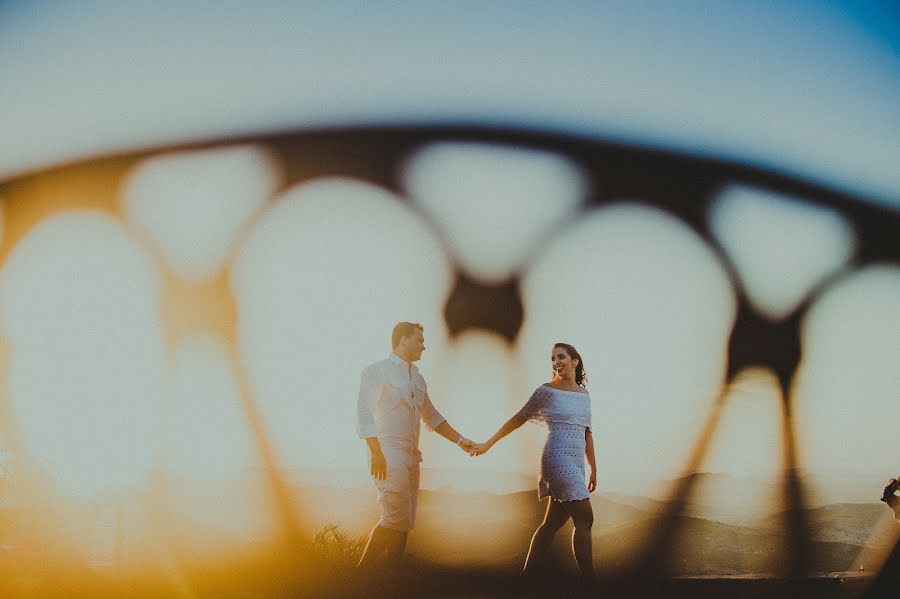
[
  {"x": 713, "y": 491},
  {"x": 705, "y": 547},
  {"x": 468, "y": 528},
  {"x": 749, "y": 502},
  {"x": 501, "y": 532},
  {"x": 431, "y": 478},
  {"x": 854, "y": 523}
]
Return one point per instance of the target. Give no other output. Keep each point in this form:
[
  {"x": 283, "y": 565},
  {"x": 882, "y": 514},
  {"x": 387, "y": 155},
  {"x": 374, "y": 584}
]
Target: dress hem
[{"x": 588, "y": 496}]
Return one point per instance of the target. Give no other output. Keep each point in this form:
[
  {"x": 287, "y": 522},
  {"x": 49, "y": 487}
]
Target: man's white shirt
[{"x": 393, "y": 399}]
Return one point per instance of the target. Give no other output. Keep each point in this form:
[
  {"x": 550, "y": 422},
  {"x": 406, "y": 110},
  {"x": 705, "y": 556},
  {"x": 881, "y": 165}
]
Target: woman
[{"x": 565, "y": 406}]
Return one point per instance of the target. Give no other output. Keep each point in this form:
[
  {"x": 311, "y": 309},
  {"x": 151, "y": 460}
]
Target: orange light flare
[
  {"x": 61, "y": 537},
  {"x": 40, "y": 537},
  {"x": 31, "y": 200},
  {"x": 205, "y": 307}
]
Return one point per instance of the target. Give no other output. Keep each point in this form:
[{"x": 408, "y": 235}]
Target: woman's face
[{"x": 562, "y": 363}]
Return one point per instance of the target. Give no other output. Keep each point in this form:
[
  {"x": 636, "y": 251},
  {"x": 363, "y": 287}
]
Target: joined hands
[
  {"x": 466, "y": 445},
  {"x": 479, "y": 449}
]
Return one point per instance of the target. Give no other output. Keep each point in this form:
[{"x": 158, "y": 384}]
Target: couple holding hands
[{"x": 393, "y": 399}]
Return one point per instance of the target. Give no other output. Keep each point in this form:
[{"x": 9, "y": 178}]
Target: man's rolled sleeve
[
  {"x": 365, "y": 405},
  {"x": 430, "y": 416}
]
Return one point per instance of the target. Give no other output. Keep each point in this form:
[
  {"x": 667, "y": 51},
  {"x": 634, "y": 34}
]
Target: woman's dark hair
[{"x": 580, "y": 374}]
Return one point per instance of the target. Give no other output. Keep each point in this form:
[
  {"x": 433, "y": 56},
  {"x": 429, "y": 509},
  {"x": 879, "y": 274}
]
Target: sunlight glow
[
  {"x": 846, "y": 396},
  {"x": 80, "y": 307},
  {"x": 165, "y": 320},
  {"x": 781, "y": 247},
  {"x": 320, "y": 282},
  {"x": 319, "y": 278},
  {"x": 215, "y": 517},
  {"x": 478, "y": 387},
  {"x": 742, "y": 470},
  {"x": 193, "y": 205},
  {"x": 208, "y": 434},
  {"x": 493, "y": 204},
  {"x": 649, "y": 308}
]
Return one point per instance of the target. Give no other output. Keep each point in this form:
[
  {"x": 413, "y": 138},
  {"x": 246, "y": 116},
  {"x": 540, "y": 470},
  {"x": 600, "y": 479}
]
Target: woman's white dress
[{"x": 568, "y": 415}]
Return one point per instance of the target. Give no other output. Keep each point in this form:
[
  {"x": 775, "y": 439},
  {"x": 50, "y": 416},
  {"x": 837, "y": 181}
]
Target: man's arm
[
  {"x": 379, "y": 462},
  {"x": 434, "y": 421},
  {"x": 451, "y": 434},
  {"x": 369, "y": 389}
]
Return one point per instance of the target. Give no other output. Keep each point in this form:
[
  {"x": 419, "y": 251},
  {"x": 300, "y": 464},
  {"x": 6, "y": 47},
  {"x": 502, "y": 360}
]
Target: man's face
[{"x": 413, "y": 345}]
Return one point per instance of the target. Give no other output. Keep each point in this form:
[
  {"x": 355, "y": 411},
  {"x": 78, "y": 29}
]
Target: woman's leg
[
  {"x": 555, "y": 517},
  {"x": 583, "y": 517}
]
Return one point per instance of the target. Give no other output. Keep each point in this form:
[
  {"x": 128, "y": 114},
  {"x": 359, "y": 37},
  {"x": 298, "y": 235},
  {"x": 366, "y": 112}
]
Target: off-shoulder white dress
[{"x": 567, "y": 415}]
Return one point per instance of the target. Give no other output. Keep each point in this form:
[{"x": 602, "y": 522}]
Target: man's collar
[{"x": 398, "y": 361}]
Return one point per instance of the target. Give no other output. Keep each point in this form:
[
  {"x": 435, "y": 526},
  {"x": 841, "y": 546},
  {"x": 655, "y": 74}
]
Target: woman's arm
[
  {"x": 508, "y": 427},
  {"x": 591, "y": 458}
]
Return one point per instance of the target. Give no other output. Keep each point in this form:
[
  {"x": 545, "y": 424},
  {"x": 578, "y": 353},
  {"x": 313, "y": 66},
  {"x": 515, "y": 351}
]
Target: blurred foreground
[{"x": 466, "y": 544}]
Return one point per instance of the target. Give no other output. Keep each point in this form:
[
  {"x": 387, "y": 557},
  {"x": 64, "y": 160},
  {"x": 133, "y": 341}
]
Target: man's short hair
[{"x": 404, "y": 329}]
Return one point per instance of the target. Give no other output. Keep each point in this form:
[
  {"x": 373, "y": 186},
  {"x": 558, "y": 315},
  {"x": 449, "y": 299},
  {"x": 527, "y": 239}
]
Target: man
[{"x": 393, "y": 399}]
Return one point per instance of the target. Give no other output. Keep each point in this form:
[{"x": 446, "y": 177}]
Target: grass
[{"x": 332, "y": 544}]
